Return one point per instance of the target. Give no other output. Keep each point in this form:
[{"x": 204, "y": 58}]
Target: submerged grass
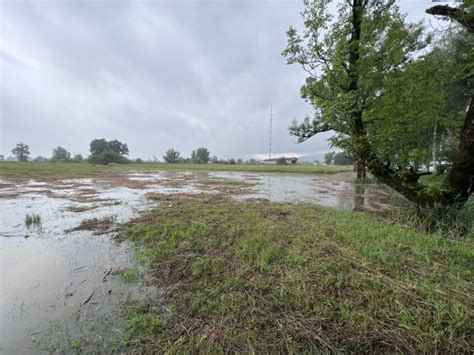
[
  {"x": 45, "y": 171},
  {"x": 32, "y": 220},
  {"x": 263, "y": 277}
]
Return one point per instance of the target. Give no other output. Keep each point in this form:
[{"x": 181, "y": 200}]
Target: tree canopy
[
  {"x": 104, "y": 152},
  {"x": 172, "y": 156},
  {"x": 21, "y": 151},
  {"x": 373, "y": 80},
  {"x": 60, "y": 155},
  {"x": 200, "y": 156}
]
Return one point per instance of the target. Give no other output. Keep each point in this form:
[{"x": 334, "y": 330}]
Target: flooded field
[{"x": 62, "y": 272}]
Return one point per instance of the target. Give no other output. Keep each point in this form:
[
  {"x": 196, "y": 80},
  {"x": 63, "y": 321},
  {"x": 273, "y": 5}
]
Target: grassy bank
[
  {"x": 39, "y": 170},
  {"x": 260, "y": 277}
]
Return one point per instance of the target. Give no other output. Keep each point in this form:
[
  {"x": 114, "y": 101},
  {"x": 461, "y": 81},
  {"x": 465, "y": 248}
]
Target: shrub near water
[{"x": 259, "y": 277}]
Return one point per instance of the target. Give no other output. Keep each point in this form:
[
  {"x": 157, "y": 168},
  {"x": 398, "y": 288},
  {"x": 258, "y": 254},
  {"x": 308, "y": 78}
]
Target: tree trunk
[
  {"x": 354, "y": 57},
  {"x": 360, "y": 170},
  {"x": 434, "y": 149},
  {"x": 461, "y": 176}
]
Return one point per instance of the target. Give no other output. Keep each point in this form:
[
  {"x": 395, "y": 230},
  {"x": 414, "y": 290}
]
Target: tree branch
[
  {"x": 307, "y": 129},
  {"x": 456, "y": 14}
]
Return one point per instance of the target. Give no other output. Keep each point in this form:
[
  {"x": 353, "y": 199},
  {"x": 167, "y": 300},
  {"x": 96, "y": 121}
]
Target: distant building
[{"x": 288, "y": 160}]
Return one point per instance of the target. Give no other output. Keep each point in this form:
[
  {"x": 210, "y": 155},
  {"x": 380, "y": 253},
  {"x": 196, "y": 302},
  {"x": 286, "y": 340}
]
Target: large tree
[
  {"x": 21, "y": 151},
  {"x": 368, "y": 84},
  {"x": 200, "y": 156},
  {"x": 460, "y": 181},
  {"x": 104, "y": 152},
  {"x": 61, "y": 155},
  {"x": 171, "y": 156}
]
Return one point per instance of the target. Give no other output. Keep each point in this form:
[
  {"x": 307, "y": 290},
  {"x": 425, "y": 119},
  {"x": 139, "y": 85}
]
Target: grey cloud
[{"x": 154, "y": 74}]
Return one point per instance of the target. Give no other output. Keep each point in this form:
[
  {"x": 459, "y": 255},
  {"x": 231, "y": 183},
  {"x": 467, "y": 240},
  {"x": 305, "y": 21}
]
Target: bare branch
[{"x": 456, "y": 14}]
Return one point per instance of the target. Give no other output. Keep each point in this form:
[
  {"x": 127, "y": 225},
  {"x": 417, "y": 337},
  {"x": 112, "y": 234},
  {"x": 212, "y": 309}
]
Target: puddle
[
  {"x": 333, "y": 190},
  {"x": 56, "y": 285}
]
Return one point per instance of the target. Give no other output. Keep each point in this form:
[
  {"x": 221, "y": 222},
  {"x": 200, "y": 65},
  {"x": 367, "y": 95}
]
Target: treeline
[
  {"x": 201, "y": 156},
  {"x": 340, "y": 158},
  {"x": 104, "y": 152}
]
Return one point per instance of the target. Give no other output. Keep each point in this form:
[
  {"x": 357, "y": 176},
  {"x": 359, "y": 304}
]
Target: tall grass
[{"x": 451, "y": 222}]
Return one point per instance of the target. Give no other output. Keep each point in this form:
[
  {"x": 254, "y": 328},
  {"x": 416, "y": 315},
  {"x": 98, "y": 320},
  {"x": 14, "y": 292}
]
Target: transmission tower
[{"x": 270, "y": 148}]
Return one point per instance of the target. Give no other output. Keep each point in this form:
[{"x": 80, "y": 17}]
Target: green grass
[
  {"x": 130, "y": 275},
  {"x": 272, "y": 278},
  {"x": 32, "y": 220},
  {"x": 45, "y": 171}
]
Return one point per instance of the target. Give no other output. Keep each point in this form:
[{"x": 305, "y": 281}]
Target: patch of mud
[
  {"x": 79, "y": 209},
  {"x": 160, "y": 197},
  {"x": 95, "y": 225},
  {"x": 124, "y": 180},
  {"x": 9, "y": 196},
  {"x": 7, "y": 184}
]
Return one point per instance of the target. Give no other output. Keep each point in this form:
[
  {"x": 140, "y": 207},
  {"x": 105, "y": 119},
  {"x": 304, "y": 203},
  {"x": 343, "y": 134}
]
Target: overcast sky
[{"x": 154, "y": 74}]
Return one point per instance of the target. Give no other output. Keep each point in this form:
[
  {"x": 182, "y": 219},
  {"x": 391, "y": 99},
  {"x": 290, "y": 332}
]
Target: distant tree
[
  {"x": 39, "y": 158},
  {"x": 2, "y": 157},
  {"x": 329, "y": 157},
  {"x": 77, "y": 158},
  {"x": 21, "y": 151},
  {"x": 118, "y": 147},
  {"x": 215, "y": 159},
  {"x": 281, "y": 161},
  {"x": 232, "y": 161},
  {"x": 316, "y": 162},
  {"x": 171, "y": 156},
  {"x": 60, "y": 155},
  {"x": 239, "y": 161},
  {"x": 200, "y": 156},
  {"x": 138, "y": 161},
  {"x": 341, "y": 159},
  {"x": 98, "y": 146},
  {"x": 184, "y": 160},
  {"x": 103, "y": 152},
  {"x": 252, "y": 161}
]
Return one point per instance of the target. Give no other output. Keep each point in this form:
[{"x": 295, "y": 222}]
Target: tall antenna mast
[{"x": 271, "y": 119}]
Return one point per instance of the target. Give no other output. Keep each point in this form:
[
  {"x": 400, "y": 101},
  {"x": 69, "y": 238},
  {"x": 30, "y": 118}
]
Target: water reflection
[
  {"x": 359, "y": 197},
  {"x": 337, "y": 190}
]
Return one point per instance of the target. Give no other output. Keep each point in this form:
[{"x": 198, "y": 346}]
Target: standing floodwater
[{"x": 60, "y": 274}]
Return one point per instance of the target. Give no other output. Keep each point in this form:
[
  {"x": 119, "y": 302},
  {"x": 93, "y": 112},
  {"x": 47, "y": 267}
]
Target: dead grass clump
[
  {"x": 225, "y": 186},
  {"x": 10, "y": 196},
  {"x": 96, "y": 225},
  {"x": 123, "y": 180},
  {"x": 6, "y": 184},
  {"x": 87, "y": 197},
  {"x": 78, "y": 209}
]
